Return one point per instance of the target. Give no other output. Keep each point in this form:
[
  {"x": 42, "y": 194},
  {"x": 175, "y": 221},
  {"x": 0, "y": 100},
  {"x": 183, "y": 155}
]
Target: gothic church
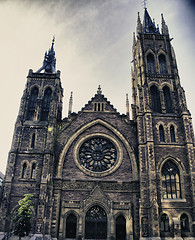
[{"x": 97, "y": 174}]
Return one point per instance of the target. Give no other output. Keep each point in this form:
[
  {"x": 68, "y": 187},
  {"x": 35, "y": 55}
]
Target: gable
[{"x": 99, "y": 104}]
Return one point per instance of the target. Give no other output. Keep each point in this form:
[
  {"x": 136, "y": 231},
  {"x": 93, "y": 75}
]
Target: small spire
[
  {"x": 144, "y": 3},
  {"x": 139, "y": 25},
  {"x": 164, "y": 28},
  {"x": 99, "y": 91},
  {"x": 127, "y": 105},
  {"x": 49, "y": 62},
  {"x": 70, "y": 104},
  {"x": 53, "y": 40}
]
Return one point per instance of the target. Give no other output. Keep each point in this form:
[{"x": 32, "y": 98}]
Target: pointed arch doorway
[{"x": 96, "y": 223}]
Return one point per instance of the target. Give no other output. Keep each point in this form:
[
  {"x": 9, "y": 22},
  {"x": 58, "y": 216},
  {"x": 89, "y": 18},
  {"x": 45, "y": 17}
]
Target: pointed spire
[
  {"x": 52, "y": 48},
  {"x": 164, "y": 29},
  {"x": 127, "y": 105},
  {"x": 99, "y": 91},
  {"x": 70, "y": 104},
  {"x": 49, "y": 62},
  {"x": 148, "y": 24},
  {"x": 139, "y": 25}
]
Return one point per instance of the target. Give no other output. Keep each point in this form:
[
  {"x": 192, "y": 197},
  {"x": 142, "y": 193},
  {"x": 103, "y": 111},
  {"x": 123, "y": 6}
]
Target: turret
[
  {"x": 164, "y": 28},
  {"x": 49, "y": 62}
]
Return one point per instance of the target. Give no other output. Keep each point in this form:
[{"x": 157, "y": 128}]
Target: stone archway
[
  {"x": 120, "y": 228},
  {"x": 96, "y": 223}
]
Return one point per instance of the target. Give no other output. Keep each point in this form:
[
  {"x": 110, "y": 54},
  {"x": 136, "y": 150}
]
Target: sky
[{"x": 93, "y": 45}]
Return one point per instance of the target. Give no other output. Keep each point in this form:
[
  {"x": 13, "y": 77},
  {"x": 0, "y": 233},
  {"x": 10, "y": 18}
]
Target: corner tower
[
  {"x": 165, "y": 135},
  {"x": 31, "y": 158}
]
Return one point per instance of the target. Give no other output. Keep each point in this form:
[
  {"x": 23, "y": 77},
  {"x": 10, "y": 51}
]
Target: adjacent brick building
[{"x": 97, "y": 174}]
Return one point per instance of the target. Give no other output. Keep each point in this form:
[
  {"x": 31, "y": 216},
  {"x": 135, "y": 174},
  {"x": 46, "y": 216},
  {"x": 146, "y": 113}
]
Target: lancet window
[
  {"x": 98, "y": 107},
  {"x": 24, "y": 170},
  {"x": 167, "y": 99},
  {"x": 161, "y": 133},
  {"x": 155, "y": 99},
  {"x": 32, "y": 104},
  {"x": 32, "y": 145},
  {"x": 33, "y": 170},
  {"x": 46, "y": 104},
  {"x": 162, "y": 63},
  {"x": 172, "y": 133},
  {"x": 171, "y": 185},
  {"x": 151, "y": 63}
]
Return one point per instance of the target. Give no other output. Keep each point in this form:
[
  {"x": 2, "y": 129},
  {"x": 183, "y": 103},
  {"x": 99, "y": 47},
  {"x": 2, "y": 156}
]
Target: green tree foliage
[{"x": 22, "y": 217}]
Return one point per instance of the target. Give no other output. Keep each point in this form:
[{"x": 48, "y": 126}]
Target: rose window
[{"x": 97, "y": 154}]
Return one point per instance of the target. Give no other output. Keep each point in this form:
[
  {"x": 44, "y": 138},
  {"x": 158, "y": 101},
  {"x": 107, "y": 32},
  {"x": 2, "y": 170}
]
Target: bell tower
[
  {"x": 165, "y": 133},
  {"x": 31, "y": 158}
]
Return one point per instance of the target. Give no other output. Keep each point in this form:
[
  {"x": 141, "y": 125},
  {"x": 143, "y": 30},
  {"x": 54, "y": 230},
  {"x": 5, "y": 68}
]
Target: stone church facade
[{"x": 97, "y": 174}]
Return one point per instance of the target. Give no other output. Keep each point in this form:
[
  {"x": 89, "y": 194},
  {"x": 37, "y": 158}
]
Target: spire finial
[
  {"x": 127, "y": 105},
  {"x": 144, "y": 3},
  {"x": 70, "y": 104},
  {"x": 99, "y": 91},
  {"x": 53, "y": 40},
  {"x": 49, "y": 63}
]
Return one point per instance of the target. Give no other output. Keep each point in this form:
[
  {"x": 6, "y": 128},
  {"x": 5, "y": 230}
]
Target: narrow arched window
[
  {"x": 168, "y": 101},
  {"x": 33, "y": 171},
  {"x": 172, "y": 133},
  {"x": 184, "y": 221},
  {"x": 161, "y": 133},
  {"x": 151, "y": 63},
  {"x": 46, "y": 104},
  {"x": 24, "y": 170},
  {"x": 95, "y": 107},
  {"x": 171, "y": 186},
  {"x": 32, "y": 145},
  {"x": 32, "y": 104},
  {"x": 99, "y": 107},
  {"x": 120, "y": 228},
  {"x": 71, "y": 226},
  {"x": 155, "y": 99},
  {"x": 164, "y": 223},
  {"x": 162, "y": 63}
]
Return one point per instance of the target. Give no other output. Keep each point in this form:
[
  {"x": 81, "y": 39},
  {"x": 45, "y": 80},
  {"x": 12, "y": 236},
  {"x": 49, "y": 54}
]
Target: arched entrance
[
  {"x": 120, "y": 228},
  {"x": 96, "y": 223},
  {"x": 71, "y": 226}
]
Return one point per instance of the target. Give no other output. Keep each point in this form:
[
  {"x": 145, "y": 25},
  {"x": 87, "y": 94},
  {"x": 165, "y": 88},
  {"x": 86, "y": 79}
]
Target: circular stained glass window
[{"x": 97, "y": 154}]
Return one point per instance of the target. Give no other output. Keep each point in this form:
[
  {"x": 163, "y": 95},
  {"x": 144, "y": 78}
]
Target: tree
[{"x": 22, "y": 217}]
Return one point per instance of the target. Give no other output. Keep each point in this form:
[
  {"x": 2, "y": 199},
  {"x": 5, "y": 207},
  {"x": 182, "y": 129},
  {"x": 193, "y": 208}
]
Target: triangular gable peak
[
  {"x": 98, "y": 195},
  {"x": 99, "y": 104}
]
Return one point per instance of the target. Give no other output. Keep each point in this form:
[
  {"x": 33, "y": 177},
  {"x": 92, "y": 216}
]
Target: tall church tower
[
  {"x": 165, "y": 135},
  {"x": 31, "y": 158}
]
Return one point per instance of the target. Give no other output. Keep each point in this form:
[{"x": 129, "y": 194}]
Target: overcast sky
[{"x": 93, "y": 46}]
